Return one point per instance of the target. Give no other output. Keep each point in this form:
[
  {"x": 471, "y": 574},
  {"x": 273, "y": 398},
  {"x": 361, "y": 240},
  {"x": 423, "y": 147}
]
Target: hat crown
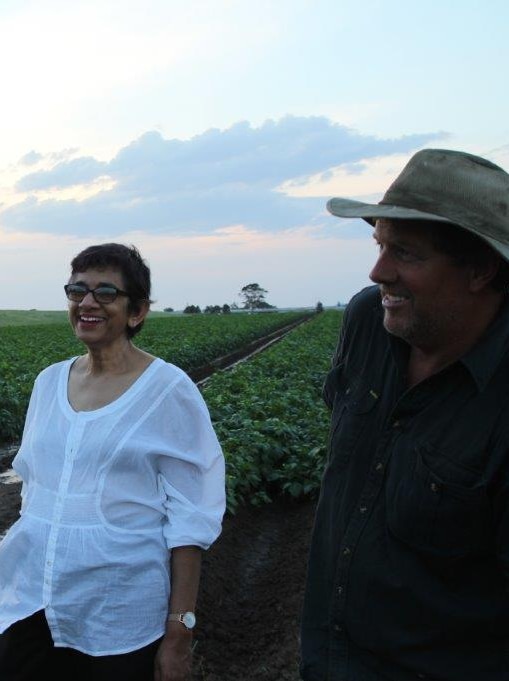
[
  {"x": 460, "y": 187},
  {"x": 444, "y": 185}
]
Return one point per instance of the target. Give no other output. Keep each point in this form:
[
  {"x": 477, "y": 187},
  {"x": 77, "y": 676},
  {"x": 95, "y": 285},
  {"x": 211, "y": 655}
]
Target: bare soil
[{"x": 250, "y": 593}]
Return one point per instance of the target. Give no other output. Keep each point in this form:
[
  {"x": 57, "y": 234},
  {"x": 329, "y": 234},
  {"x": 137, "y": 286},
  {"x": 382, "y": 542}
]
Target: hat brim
[{"x": 348, "y": 208}]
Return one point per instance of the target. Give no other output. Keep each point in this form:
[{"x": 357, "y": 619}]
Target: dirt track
[{"x": 251, "y": 595}]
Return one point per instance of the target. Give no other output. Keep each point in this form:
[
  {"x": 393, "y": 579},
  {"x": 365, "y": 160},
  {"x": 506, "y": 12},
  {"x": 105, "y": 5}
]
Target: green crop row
[
  {"x": 188, "y": 342},
  {"x": 270, "y": 417}
]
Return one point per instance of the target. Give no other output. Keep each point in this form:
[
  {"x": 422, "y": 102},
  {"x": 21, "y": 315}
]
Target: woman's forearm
[{"x": 185, "y": 567}]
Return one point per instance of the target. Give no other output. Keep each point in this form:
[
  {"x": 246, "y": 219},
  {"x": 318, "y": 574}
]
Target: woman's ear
[{"x": 138, "y": 314}]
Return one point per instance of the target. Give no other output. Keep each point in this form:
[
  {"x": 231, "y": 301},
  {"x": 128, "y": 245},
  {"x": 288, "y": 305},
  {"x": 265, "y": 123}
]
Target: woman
[{"x": 123, "y": 486}]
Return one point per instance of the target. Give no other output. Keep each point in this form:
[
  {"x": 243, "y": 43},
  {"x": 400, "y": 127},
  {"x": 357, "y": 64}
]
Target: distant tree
[
  {"x": 168, "y": 309},
  {"x": 192, "y": 309},
  {"x": 254, "y": 297},
  {"x": 319, "y": 307},
  {"x": 264, "y": 305},
  {"x": 234, "y": 306},
  {"x": 212, "y": 309},
  {"x": 226, "y": 309}
]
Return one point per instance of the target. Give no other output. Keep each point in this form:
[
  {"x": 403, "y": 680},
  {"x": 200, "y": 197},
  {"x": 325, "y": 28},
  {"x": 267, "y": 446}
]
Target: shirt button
[
  {"x": 434, "y": 487},
  {"x": 363, "y": 509},
  {"x": 421, "y": 676},
  {"x": 340, "y": 590},
  {"x": 379, "y": 467},
  {"x": 395, "y": 423},
  {"x": 347, "y": 551},
  {"x": 338, "y": 628}
]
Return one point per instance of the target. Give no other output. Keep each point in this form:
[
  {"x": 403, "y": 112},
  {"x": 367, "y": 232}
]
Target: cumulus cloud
[
  {"x": 217, "y": 178},
  {"x": 66, "y": 174}
]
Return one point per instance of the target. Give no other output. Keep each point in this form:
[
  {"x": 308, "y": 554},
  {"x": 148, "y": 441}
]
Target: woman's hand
[{"x": 173, "y": 659}]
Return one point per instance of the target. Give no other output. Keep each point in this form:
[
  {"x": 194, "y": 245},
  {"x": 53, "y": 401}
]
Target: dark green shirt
[{"x": 410, "y": 551}]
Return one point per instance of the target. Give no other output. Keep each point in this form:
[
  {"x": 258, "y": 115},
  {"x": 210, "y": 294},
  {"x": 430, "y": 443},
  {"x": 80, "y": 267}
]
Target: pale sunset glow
[{"x": 211, "y": 135}]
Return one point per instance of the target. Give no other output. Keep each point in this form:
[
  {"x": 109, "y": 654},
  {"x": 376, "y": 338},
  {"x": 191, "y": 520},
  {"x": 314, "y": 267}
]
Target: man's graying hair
[{"x": 465, "y": 248}]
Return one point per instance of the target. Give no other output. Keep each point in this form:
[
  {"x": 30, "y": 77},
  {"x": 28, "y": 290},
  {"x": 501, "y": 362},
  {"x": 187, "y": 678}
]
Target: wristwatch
[{"x": 188, "y": 619}]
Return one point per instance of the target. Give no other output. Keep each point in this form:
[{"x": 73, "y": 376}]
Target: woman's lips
[{"x": 89, "y": 319}]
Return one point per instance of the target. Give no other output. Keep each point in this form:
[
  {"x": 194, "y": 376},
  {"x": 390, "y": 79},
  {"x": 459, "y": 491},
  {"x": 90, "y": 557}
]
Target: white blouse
[{"x": 105, "y": 494}]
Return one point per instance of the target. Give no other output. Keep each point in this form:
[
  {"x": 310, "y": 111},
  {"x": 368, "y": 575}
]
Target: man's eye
[{"x": 403, "y": 254}]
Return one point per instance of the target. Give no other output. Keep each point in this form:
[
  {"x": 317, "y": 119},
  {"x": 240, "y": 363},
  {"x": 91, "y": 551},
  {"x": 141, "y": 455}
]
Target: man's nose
[{"x": 384, "y": 270}]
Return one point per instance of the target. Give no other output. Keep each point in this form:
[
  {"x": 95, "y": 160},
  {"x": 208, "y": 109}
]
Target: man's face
[{"x": 425, "y": 296}]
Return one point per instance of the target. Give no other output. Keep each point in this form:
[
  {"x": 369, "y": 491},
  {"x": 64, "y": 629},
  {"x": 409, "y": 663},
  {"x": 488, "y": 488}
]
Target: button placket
[
  {"x": 367, "y": 498},
  {"x": 74, "y": 436}
]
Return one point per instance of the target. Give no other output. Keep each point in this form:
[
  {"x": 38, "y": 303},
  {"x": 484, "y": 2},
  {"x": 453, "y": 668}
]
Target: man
[{"x": 409, "y": 561}]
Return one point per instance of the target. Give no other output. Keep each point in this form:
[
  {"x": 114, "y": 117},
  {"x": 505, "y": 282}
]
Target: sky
[{"x": 211, "y": 134}]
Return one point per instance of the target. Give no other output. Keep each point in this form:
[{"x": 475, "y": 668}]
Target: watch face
[{"x": 189, "y": 619}]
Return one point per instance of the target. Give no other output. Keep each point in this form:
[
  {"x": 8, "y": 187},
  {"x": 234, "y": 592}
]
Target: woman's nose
[{"x": 88, "y": 299}]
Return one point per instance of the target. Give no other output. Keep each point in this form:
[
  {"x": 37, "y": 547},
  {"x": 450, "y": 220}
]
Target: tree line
[{"x": 252, "y": 296}]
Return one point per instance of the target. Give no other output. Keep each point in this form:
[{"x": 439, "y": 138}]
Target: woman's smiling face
[{"x": 100, "y": 324}]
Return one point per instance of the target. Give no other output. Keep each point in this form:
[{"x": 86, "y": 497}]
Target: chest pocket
[
  {"x": 438, "y": 507},
  {"x": 350, "y": 416}
]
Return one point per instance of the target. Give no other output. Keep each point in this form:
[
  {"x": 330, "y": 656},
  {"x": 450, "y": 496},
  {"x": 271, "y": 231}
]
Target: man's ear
[{"x": 483, "y": 272}]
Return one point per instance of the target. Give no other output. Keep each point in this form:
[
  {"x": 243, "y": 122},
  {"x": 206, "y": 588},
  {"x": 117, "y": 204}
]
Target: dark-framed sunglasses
[{"x": 105, "y": 293}]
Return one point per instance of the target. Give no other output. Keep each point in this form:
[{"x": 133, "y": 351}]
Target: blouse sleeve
[
  {"x": 33, "y": 406},
  {"x": 192, "y": 477}
]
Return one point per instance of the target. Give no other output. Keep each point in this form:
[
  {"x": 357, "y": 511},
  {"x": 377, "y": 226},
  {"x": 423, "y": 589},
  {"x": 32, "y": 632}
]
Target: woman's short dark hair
[
  {"x": 128, "y": 261},
  {"x": 465, "y": 248}
]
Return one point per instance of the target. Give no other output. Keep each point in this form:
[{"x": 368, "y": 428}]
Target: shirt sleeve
[
  {"x": 192, "y": 476},
  {"x": 339, "y": 352},
  {"x": 329, "y": 385},
  {"x": 32, "y": 408}
]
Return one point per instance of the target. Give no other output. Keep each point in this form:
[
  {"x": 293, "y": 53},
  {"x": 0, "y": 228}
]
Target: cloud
[
  {"x": 30, "y": 159},
  {"x": 66, "y": 174},
  {"x": 217, "y": 178}
]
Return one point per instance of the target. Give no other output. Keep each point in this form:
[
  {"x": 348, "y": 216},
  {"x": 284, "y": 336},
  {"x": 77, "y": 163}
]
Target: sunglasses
[{"x": 105, "y": 293}]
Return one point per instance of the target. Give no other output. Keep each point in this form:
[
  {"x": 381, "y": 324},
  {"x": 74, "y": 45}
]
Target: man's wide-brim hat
[{"x": 444, "y": 186}]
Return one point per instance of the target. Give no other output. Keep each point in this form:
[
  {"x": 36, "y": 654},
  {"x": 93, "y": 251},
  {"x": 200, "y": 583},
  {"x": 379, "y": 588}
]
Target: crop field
[
  {"x": 31, "y": 317},
  {"x": 267, "y": 411},
  {"x": 270, "y": 418},
  {"x": 188, "y": 342}
]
